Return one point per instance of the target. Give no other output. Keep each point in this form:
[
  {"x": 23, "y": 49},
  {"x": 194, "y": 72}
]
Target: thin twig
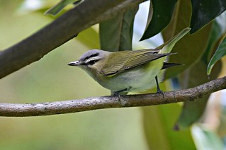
[{"x": 62, "y": 107}]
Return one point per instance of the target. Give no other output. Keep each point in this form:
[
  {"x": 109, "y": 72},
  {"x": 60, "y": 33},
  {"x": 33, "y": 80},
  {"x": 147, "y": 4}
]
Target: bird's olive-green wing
[{"x": 128, "y": 60}]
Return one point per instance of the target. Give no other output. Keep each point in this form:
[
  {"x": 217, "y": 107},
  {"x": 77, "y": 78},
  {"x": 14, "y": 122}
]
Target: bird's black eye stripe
[
  {"x": 93, "y": 55},
  {"x": 92, "y": 62}
]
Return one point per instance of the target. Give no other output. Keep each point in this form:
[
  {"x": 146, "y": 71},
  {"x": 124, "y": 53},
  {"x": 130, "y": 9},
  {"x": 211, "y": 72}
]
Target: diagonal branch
[
  {"x": 58, "y": 32},
  {"x": 61, "y": 107}
]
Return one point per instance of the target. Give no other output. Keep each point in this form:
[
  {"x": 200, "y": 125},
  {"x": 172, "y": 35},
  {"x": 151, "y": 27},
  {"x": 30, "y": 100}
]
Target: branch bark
[
  {"x": 58, "y": 32},
  {"x": 61, "y": 107}
]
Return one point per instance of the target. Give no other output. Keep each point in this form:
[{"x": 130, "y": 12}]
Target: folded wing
[{"x": 129, "y": 60}]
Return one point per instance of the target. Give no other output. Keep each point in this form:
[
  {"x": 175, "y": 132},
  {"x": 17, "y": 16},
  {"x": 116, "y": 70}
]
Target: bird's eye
[{"x": 92, "y": 62}]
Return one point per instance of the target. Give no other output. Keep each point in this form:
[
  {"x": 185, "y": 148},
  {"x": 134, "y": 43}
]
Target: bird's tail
[
  {"x": 168, "y": 65},
  {"x": 168, "y": 46}
]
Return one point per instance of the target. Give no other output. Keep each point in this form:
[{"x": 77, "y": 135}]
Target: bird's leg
[
  {"x": 120, "y": 92},
  {"x": 158, "y": 88}
]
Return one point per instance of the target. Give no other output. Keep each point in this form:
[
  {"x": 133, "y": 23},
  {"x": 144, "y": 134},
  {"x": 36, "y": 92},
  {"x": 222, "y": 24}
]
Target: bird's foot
[
  {"x": 160, "y": 92},
  {"x": 119, "y": 93}
]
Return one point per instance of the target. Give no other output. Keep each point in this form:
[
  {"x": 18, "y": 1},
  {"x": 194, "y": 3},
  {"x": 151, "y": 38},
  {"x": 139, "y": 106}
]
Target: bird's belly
[{"x": 135, "y": 80}]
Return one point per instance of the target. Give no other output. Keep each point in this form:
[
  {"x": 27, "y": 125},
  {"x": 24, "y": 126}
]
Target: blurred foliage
[
  {"x": 206, "y": 139},
  {"x": 158, "y": 127},
  {"x": 194, "y": 76},
  {"x": 116, "y": 34},
  {"x": 191, "y": 47},
  {"x": 203, "y": 11},
  {"x": 220, "y": 52},
  {"x": 217, "y": 30},
  {"x": 91, "y": 41},
  {"x": 59, "y": 6},
  {"x": 160, "y": 13},
  {"x": 50, "y": 79}
]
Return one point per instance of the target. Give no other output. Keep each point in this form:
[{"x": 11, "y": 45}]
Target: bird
[{"x": 128, "y": 71}]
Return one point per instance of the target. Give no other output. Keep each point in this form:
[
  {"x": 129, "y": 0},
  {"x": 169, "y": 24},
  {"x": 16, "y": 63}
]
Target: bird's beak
[{"x": 75, "y": 63}]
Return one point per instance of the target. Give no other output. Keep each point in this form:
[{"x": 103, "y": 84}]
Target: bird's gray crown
[{"x": 92, "y": 53}]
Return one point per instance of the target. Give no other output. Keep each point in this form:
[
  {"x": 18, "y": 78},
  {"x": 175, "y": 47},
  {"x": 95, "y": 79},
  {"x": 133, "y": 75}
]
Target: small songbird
[{"x": 128, "y": 71}]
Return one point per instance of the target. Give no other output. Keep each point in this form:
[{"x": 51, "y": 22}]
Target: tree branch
[
  {"x": 58, "y": 32},
  {"x": 61, "y": 107}
]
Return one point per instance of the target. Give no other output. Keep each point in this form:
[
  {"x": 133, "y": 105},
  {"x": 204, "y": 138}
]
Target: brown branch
[
  {"x": 58, "y": 32},
  {"x": 61, "y": 107}
]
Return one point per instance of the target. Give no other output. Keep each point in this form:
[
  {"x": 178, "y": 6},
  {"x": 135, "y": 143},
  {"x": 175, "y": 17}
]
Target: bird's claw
[{"x": 160, "y": 92}]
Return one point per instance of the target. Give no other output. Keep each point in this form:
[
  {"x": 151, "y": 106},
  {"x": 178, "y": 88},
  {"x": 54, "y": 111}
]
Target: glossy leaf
[
  {"x": 116, "y": 33},
  {"x": 216, "y": 32},
  {"x": 159, "y": 132},
  {"x": 203, "y": 11},
  {"x": 206, "y": 139},
  {"x": 194, "y": 76},
  {"x": 158, "y": 126},
  {"x": 220, "y": 52},
  {"x": 191, "y": 47},
  {"x": 160, "y": 13},
  {"x": 59, "y": 6}
]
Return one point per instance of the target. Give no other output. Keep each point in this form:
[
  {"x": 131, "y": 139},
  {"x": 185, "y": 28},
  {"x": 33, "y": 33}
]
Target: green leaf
[
  {"x": 168, "y": 46},
  {"x": 203, "y": 11},
  {"x": 89, "y": 37},
  {"x": 216, "y": 32},
  {"x": 59, "y": 6},
  {"x": 194, "y": 76},
  {"x": 220, "y": 52},
  {"x": 191, "y": 47},
  {"x": 158, "y": 129},
  {"x": 116, "y": 33},
  {"x": 206, "y": 139},
  {"x": 189, "y": 53},
  {"x": 160, "y": 13}
]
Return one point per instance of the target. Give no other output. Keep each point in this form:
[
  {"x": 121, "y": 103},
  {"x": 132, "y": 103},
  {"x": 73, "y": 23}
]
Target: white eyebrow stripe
[
  {"x": 90, "y": 56},
  {"x": 96, "y": 59}
]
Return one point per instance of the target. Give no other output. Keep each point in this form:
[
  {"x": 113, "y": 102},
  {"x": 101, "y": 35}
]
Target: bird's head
[{"x": 91, "y": 60}]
